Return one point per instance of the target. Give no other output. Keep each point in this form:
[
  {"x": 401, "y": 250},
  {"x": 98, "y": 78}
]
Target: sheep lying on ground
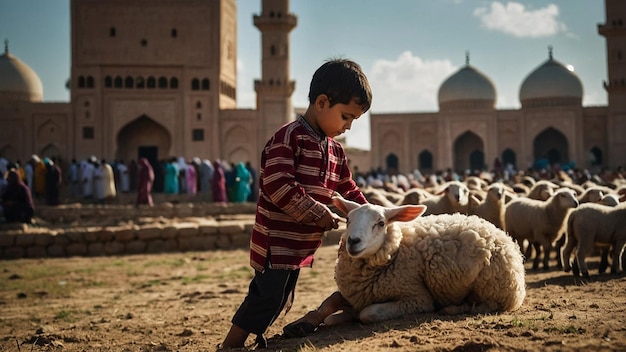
[
  {"x": 595, "y": 224},
  {"x": 453, "y": 198},
  {"x": 539, "y": 222},
  {"x": 389, "y": 265}
]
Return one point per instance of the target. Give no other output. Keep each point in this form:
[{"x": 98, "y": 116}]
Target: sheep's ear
[
  {"x": 404, "y": 213},
  {"x": 344, "y": 205}
]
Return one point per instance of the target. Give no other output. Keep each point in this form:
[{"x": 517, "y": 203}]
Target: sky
[{"x": 407, "y": 48}]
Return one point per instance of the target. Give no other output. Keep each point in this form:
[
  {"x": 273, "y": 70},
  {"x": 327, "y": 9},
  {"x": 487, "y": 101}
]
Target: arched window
[
  {"x": 174, "y": 33},
  {"x": 198, "y": 105},
  {"x": 509, "y": 157},
  {"x": 174, "y": 83},
  {"x": 425, "y": 161},
  {"x": 162, "y": 82},
  {"x": 206, "y": 84},
  {"x": 392, "y": 164},
  {"x": 108, "y": 82},
  {"x": 81, "y": 82},
  {"x": 151, "y": 83},
  {"x": 118, "y": 82},
  {"x": 195, "y": 84},
  {"x": 140, "y": 82},
  {"x": 128, "y": 82},
  {"x": 90, "y": 82},
  {"x": 112, "y": 32}
]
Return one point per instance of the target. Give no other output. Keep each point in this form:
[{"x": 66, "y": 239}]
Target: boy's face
[{"x": 335, "y": 120}]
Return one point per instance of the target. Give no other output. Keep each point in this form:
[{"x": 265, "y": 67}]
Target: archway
[
  {"x": 143, "y": 137},
  {"x": 468, "y": 152},
  {"x": 509, "y": 157},
  {"x": 392, "y": 163},
  {"x": 425, "y": 161},
  {"x": 552, "y": 146},
  {"x": 596, "y": 156}
]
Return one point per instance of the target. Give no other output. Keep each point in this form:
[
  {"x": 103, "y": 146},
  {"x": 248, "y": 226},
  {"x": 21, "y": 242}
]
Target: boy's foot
[{"x": 304, "y": 326}]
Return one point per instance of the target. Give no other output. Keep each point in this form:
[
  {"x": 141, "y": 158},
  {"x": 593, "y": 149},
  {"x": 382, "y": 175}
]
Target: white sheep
[
  {"x": 592, "y": 195},
  {"x": 595, "y": 224},
  {"x": 610, "y": 200},
  {"x": 492, "y": 208},
  {"x": 539, "y": 222},
  {"x": 392, "y": 263},
  {"x": 452, "y": 198},
  {"x": 542, "y": 190}
]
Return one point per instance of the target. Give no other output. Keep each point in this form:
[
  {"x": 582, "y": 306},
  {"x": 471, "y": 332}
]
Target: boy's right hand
[{"x": 328, "y": 221}]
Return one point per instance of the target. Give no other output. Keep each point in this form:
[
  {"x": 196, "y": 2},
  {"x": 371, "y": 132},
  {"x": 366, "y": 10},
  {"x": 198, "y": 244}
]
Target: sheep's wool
[{"x": 440, "y": 260}]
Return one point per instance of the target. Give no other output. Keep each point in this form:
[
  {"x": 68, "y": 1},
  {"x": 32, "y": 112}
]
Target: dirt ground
[{"x": 184, "y": 302}]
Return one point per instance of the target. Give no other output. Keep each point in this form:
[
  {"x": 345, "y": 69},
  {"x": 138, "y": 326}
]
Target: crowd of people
[{"x": 97, "y": 181}]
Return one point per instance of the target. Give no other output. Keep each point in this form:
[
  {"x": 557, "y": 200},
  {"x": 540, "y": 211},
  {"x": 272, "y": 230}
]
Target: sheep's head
[
  {"x": 367, "y": 224},
  {"x": 457, "y": 192},
  {"x": 565, "y": 198}
]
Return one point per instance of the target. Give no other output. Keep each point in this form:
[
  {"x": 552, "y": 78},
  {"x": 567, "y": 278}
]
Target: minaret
[
  {"x": 274, "y": 89},
  {"x": 614, "y": 31}
]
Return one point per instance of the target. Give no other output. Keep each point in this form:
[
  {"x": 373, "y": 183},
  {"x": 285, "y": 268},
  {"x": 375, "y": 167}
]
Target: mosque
[
  {"x": 158, "y": 79},
  {"x": 468, "y": 133}
]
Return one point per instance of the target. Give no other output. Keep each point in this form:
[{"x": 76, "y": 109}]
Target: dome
[
  {"x": 551, "y": 84},
  {"x": 17, "y": 80},
  {"x": 467, "y": 88}
]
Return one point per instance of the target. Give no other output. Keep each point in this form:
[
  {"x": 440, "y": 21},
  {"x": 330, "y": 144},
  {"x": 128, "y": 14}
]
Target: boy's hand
[{"x": 328, "y": 221}]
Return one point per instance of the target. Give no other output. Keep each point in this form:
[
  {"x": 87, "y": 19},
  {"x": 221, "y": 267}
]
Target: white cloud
[
  {"x": 516, "y": 20},
  {"x": 407, "y": 84}
]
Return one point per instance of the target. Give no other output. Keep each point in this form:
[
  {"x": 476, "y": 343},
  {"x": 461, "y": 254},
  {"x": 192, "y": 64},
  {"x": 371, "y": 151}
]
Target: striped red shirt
[{"x": 300, "y": 170}]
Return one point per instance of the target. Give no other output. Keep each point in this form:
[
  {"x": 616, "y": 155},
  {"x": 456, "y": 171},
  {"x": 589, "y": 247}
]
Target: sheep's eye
[{"x": 381, "y": 223}]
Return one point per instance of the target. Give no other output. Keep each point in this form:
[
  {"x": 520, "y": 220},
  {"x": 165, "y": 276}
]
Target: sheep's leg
[
  {"x": 566, "y": 252},
  {"x": 547, "y": 249},
  {"x": 581, "y": 254},
  {"x": 617, "y": 257},
  {"x": 559, "y": 245},
  {"x": 604, "y": 260},
  {"x": 395, "y": 309},
  {"x": 538, "y": 253}
]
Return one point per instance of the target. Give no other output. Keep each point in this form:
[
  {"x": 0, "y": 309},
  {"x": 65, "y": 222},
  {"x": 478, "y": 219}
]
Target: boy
[{"x": 301, "y": 167}]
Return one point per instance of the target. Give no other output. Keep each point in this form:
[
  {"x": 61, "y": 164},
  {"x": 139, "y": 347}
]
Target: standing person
[
  {"x": 88, "y": 168},
  {"x": 301, "y": 167},
  {"x": 53, "y": 181},
  {"x": 122, "y": 170},
  {"x": 206, "y": 177},
  {"x": 241, "y": 183},
  {"x": 191, "y": 176},
  {"x": 218, "y": 183},
  {"x": 16, "y": 201},
  {"x": 74, "y": 179},
  {"x": 40, "y": 178},
  {"x": 144, "y": 183},
  {"x": 29, "y": 172},
  {"x": 98, "y": 182},
  {"x": 108, "y": 182},
  {"x": 254, "y": 183},
  {"x": 171, "y": 173}
]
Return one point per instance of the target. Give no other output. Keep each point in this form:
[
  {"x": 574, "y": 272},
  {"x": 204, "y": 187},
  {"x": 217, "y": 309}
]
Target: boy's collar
[{"x": 306, "y": 124}]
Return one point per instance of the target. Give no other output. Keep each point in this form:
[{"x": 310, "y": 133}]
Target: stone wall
[{"x": 90, "y": 230}]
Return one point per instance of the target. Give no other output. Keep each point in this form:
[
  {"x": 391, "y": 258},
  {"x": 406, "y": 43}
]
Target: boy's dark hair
[{"x": 341, "y": 80}]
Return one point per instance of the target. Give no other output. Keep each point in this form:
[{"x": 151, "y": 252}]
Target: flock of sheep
[{"x": 460, "y": 247}]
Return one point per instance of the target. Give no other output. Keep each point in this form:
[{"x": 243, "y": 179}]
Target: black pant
[{"x": 268, "y": 293}]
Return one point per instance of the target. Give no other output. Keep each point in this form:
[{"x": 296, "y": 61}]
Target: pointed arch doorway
[{"x": 143, "y": 137}]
